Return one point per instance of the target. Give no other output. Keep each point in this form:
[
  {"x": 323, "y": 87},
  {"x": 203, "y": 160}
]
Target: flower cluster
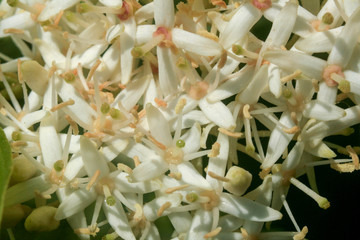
[{"x": 138, "y": 109}]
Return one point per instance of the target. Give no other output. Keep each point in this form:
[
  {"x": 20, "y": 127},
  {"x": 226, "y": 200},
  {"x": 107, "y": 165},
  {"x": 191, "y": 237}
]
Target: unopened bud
[
  {"x": 23, "y": 169},
  {"x": 42, "y": 219},
  {"x": 239, "y": 180}
]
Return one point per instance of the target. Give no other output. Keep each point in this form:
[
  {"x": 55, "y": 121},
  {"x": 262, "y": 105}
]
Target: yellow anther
[
  {"x": 213, "y": 233},
  {"x": 230, "y": 134},
  {"x": 93, "y": 180},
  {"x": 177, "y": 188},
  {"x": 215, "y": 150},
  {"x": 218, "y": 177},
  {"x": 62, "y": 105},
  {"x": 180, "y": 105},
  {"x": 246, "y": 112},
  {"x": 163, "y": 208},
  {"x": 125, "y": 168}
]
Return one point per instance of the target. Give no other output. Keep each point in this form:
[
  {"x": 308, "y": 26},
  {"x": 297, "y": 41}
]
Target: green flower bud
[
  {"x": 239, "y": 180},
  {"x": 23, "y": 169},
  {"x": 12, "y": 215},
  {"x": 42, "y": 219}
]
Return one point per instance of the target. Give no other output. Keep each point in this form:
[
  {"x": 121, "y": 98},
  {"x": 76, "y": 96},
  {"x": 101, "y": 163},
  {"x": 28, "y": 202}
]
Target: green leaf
[{"x": 5, "y": 168}]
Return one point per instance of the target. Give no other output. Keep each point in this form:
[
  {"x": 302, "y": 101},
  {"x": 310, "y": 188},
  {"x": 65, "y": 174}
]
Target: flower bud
[
  {"x": 42, "y": 219},
  {"x": 239, "y": 180},
  {"x": 23, "y": 169},
  {"x": 12, "y": 215}
]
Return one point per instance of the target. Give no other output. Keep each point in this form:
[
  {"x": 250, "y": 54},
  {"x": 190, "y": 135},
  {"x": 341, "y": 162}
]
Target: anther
[
  {"x": 136, "y": 161},
  {"x": 246, "y": 111},
  {"x": 160, "y": 103},
  {"x": 177, "y": 188},
  {"x": 291, "y": 76},
  {"x": 73, "y": 124},
  {"x": 230, "y": 134},
  {"x": 213, "y": 233},
  {"x": 215, "y": 150},
  {"x": 218, "y": 177},
  {"x": 353, "y": 156},
  {"x": 163, "y": 208},
  {"x": 180, "y": 105},
  {"x": 62, "y": 105},
  {"x": 125, "y": 168},
  {"x": 93, "y": 180},
  {"x": 292, "y": 130}
]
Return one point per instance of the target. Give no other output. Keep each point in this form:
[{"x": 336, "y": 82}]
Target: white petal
[
  {"x": 73, "y": 167},
  {"x": 247, "y": 209},
  {"x": 148, "y": 170},
  {"x": 127, "y": 42},
  {"x": 323, "y": 111},
  {"x": 18, "y": 21},
  {"x": 54, "y": 7},
  {"x": 118, "y": 220},
  {"x": 142, "y": 152},
  {"x": 75, "y": 202},
  {"x": 293, "y": 158},
  {"x": 291, "y": 61},
  {"x": 318, "y": 41},
  {"x": 151, "y": 208},
  {"x": 144, "y": 33},
  {"x": 201, "y": 225},
  {"x": 181, "y": 221},
  {"x": 130, "y": 96},
  {"x": 33, "y": 117},
  {"x": 25, "y": 191},
  {"x": 253, "y": 91},
  {"x": 346, "y": 41},
  {"x": 92, "y": 158},
  {"x": 326, "y": 93},
  {"x": 192, "y": 139},
  {"x": 50, "y": 54},
  {"x": 240, "y": 24},
  {"x": 218, "y": 113},
  {"x": 218, "y": 164},
  {"x": 80, "y": 111},
  {"x": 195, "y": 43},
  {"x": 167, "y": 71},
  {"x": 158, "y": 125},
  {"x": 49, "y": 141},
  {"x": 164, "y": 13},
  {"x": 123, "y": 184},
  {"x": 275, "y": 84},
  {"x": 354, "y": 79},
  {"x": 191, "y": 176},
  {"x": 278, "y": 142},
  {"x": 230, "y": 223},
  {"x": 114, "y": 148},
  {"x": 232, "y": 86},
  {"x": 283, "y": 25}
]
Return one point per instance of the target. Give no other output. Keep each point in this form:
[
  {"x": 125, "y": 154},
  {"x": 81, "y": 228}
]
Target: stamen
[
  {"x": 218, "y": 177},
  {"x": 213, "y": 233},
  {"x": 180, "y": 105},
  {"x": 215, "y": 150},
  {"x": 160, "y": 103},
  {"x": 244, "y": 233},
  {"x": 123, "y": 167},
  {"x": 301, "y": 235},
  {"x": 290, "y": 77},
  {"x": 93, "y": 180},
  {"x": 292, "y": 130},
  {"x": 289, "y": 212},
  {"x": 176, "y": 175},
  {"x": 13, "y": 31},
  {"x": 353, "y": 156},
  {"x": 230, "y": 134},
  {"x": 239, "y": 50},
  {"x": 323, "y": 202},
  {"x": 163, "y": 208},
  {"x": 264, "y": 173},
  {"x": 173, "y": 189},
  {"x": 91, "y": 230},
  {"x": 157, "y": 143},
  {"x": 246, "y": 113},
  {"x": 222, "y": 61},
  {"x": 18, "y": 144},
  {"x": 62, "y": 105},
  {"x": 73, "y": 124},
  {"x": 136, "y": 161},
  {"x": 221, "y": 4}
]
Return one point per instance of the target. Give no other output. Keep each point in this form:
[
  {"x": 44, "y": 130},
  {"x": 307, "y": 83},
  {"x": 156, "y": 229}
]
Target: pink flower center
[
  {"x": 328, "y": 71},
  {"x": 126, "y": 11},
  {"x": 163, "y": 31},
  {"x": 262, "y": 4}
]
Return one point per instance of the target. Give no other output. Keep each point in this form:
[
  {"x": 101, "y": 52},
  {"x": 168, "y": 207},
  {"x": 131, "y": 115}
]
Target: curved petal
[
  {"x": 192, "y": 139},
  {"x": 151, "y": 208},
  {"x": 200, "y": 225},
  {"x": 218, "y": 113},
  {"x": 195, "y": 43},
  {"x": 117, "y": 219},
  {"x": 158, "y": 125},
  {"x": 123, "y": 185},
  {"x": 92, "y": 158},
  {"x": 191, "y": 176},
  {"x": 149, "y": 170},
  {"x": 164, "y": 13},
  {"x": 247, "y": 209}
]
